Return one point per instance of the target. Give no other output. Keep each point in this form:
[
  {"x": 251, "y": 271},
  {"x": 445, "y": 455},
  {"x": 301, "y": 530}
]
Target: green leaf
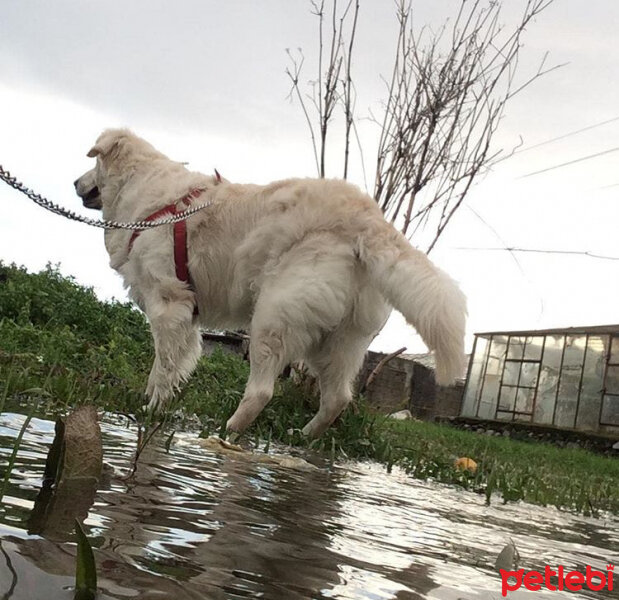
[
  {"x": 85, "y": 569},
  {"x": 490, "y": 485},
  {"x": 36, "y": 391}
]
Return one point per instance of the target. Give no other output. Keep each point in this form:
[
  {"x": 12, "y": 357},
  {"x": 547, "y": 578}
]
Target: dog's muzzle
[
  {"x": 87, "y": 190},
  {"x": 92, "y": 199}
]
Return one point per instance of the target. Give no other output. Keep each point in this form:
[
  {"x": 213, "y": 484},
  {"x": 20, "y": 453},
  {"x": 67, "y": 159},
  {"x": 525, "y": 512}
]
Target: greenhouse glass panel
[
  {"x": 516, "y": 348},
  {"x": 592, "y": 383},
  {"x": 612, "y": 379},
  {"x": 610, "y": 410},
  {"x": 533, "y": 348},
  {"x": 528, "y": 374},
  {"x": 507, "y": 401},
  {"x": 569, "y": 385},
  {"x": 511, "y": 374},
  {"x": 614, "y": 351},
  {"x": 492, "y": 378},
  {"x": 473, "y": 385},
  {"x": 524, "y": 403},
  {"x": 549, "y": 379}
]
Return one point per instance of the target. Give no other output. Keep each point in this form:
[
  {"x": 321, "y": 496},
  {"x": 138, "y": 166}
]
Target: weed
[{"x": 85, "y": 568}]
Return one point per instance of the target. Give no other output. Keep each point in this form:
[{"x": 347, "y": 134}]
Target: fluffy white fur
[{"x": 308, "y": 266}]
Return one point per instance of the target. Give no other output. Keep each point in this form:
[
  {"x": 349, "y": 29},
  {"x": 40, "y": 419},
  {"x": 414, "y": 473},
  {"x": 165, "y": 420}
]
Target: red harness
[{"x": 180, "y": 234}]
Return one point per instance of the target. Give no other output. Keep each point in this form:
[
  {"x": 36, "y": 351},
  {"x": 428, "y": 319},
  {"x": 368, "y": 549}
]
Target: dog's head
[
  {"x": 87, "y": 189},
  {"x": 115, "y": 150},
  {"x": 118, "y": 152}
]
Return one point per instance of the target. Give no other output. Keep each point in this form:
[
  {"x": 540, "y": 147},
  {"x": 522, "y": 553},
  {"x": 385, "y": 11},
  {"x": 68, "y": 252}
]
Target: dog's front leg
[{"x": 177, "y": 349}]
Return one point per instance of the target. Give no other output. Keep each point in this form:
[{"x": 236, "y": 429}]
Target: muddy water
[{"x": 193, "y": 524}]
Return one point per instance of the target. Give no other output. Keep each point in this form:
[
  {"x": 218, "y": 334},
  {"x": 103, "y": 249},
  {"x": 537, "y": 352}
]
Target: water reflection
[
  {"x": 71, "y": 476},
  {"x": 192, "y": 524}
]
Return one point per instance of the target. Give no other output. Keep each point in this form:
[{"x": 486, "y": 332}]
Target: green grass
[
  {"x": 535, "y": 472},
  {"x": 58, "y": 342}
]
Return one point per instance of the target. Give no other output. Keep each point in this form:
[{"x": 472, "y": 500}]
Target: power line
[
  {"x": 570, "y": 162},
  {"x": 574, "y": 252},
  {"x": 566, "y": 135},
  {"x": 517, "y": 150},
  {"x": 513, "y": 255},
  {"x": 607, "y": 187},
  {"x": 496, "y": 233}
]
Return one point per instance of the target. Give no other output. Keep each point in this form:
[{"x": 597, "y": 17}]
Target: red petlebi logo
[{"x": 557, "y": 580}]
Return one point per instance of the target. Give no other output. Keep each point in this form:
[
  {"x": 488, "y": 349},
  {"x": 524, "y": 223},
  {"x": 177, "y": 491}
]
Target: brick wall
[
  {"x": 232, "y": 343},
  {"x": 391, "y": 389},
  {"x": 408, "y": 383},
  {"x": 430, "y": 401}
]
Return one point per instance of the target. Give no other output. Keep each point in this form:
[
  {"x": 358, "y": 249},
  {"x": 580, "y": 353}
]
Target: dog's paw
[
  {"x": 158, "y": 396},
  {"x": 236, "y": 423},
  {"x": 233, "y": 437},
  {"x": 231, "y": 425},
  {"x": 154, "y": 406},
  {"x": 313, "y": 430}
]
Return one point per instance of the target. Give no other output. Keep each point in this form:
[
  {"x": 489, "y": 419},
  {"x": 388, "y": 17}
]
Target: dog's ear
[
  {"x": 106, "y": 142},
  {"x": 219, "y": 179},
  {"x": 94, "y": 151}
]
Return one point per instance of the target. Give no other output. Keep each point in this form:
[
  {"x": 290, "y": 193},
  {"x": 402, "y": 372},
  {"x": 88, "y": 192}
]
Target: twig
[
  {"x": 144, "y": 437},
  {"x": 446, "y": 97},
  {"x": 379, "y": 367}
]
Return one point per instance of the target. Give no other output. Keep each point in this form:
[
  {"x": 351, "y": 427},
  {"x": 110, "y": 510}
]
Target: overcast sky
[{"x": 205, "y": 82}]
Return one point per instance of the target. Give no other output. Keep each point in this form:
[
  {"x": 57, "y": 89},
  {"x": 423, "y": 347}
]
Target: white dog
[{"x": 309, "y": 266}]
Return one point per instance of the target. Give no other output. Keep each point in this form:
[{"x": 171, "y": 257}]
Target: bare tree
[
  {"x": 445, "y": 98},
  {"x": 334, "y": 84}
]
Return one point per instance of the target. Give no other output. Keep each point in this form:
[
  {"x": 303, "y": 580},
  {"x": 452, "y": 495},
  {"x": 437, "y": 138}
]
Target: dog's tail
[{"x": 428, "y": 298}]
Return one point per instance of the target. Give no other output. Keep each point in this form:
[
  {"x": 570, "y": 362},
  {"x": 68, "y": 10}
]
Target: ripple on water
[{"x": 192, "y": 524}]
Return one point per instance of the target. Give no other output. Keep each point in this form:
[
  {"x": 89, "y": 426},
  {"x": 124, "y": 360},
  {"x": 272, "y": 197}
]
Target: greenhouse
[{"x": 566, "y": 378}]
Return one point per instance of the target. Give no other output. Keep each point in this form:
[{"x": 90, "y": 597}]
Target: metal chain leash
[{"x": 103, "y": 224}]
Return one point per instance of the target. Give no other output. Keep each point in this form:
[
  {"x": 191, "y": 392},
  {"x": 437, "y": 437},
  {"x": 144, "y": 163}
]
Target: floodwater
[{"x": 194, "y": 524}]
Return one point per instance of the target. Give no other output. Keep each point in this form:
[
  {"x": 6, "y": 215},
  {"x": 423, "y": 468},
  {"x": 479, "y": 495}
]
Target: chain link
[{"x": 103, "y": 224}]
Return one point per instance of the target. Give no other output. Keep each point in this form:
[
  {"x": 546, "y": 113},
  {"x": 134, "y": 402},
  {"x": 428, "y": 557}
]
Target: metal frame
[
  {"x": 604, "y": 392},
  {"x": 469, "y": 369},
  {"x": 561, "y": 374},
  {"x": 554, "y": 408},
  {"x": 520, "y": 361},
  {"x": 608, "y": 333},
  {"x": 582, "y": 375},
  {"x": 541, "y": 360},
  {"x": 483, "y": 377}
]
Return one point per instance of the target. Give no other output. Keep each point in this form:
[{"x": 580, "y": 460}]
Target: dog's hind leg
[
  {"x": 267, "y": 359},
  {"x": 337, "y": 365},
  {"x": 177, "y": 348},
  {"x": 283, "y": 327},
  {"x": 305, "y": 297}
]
